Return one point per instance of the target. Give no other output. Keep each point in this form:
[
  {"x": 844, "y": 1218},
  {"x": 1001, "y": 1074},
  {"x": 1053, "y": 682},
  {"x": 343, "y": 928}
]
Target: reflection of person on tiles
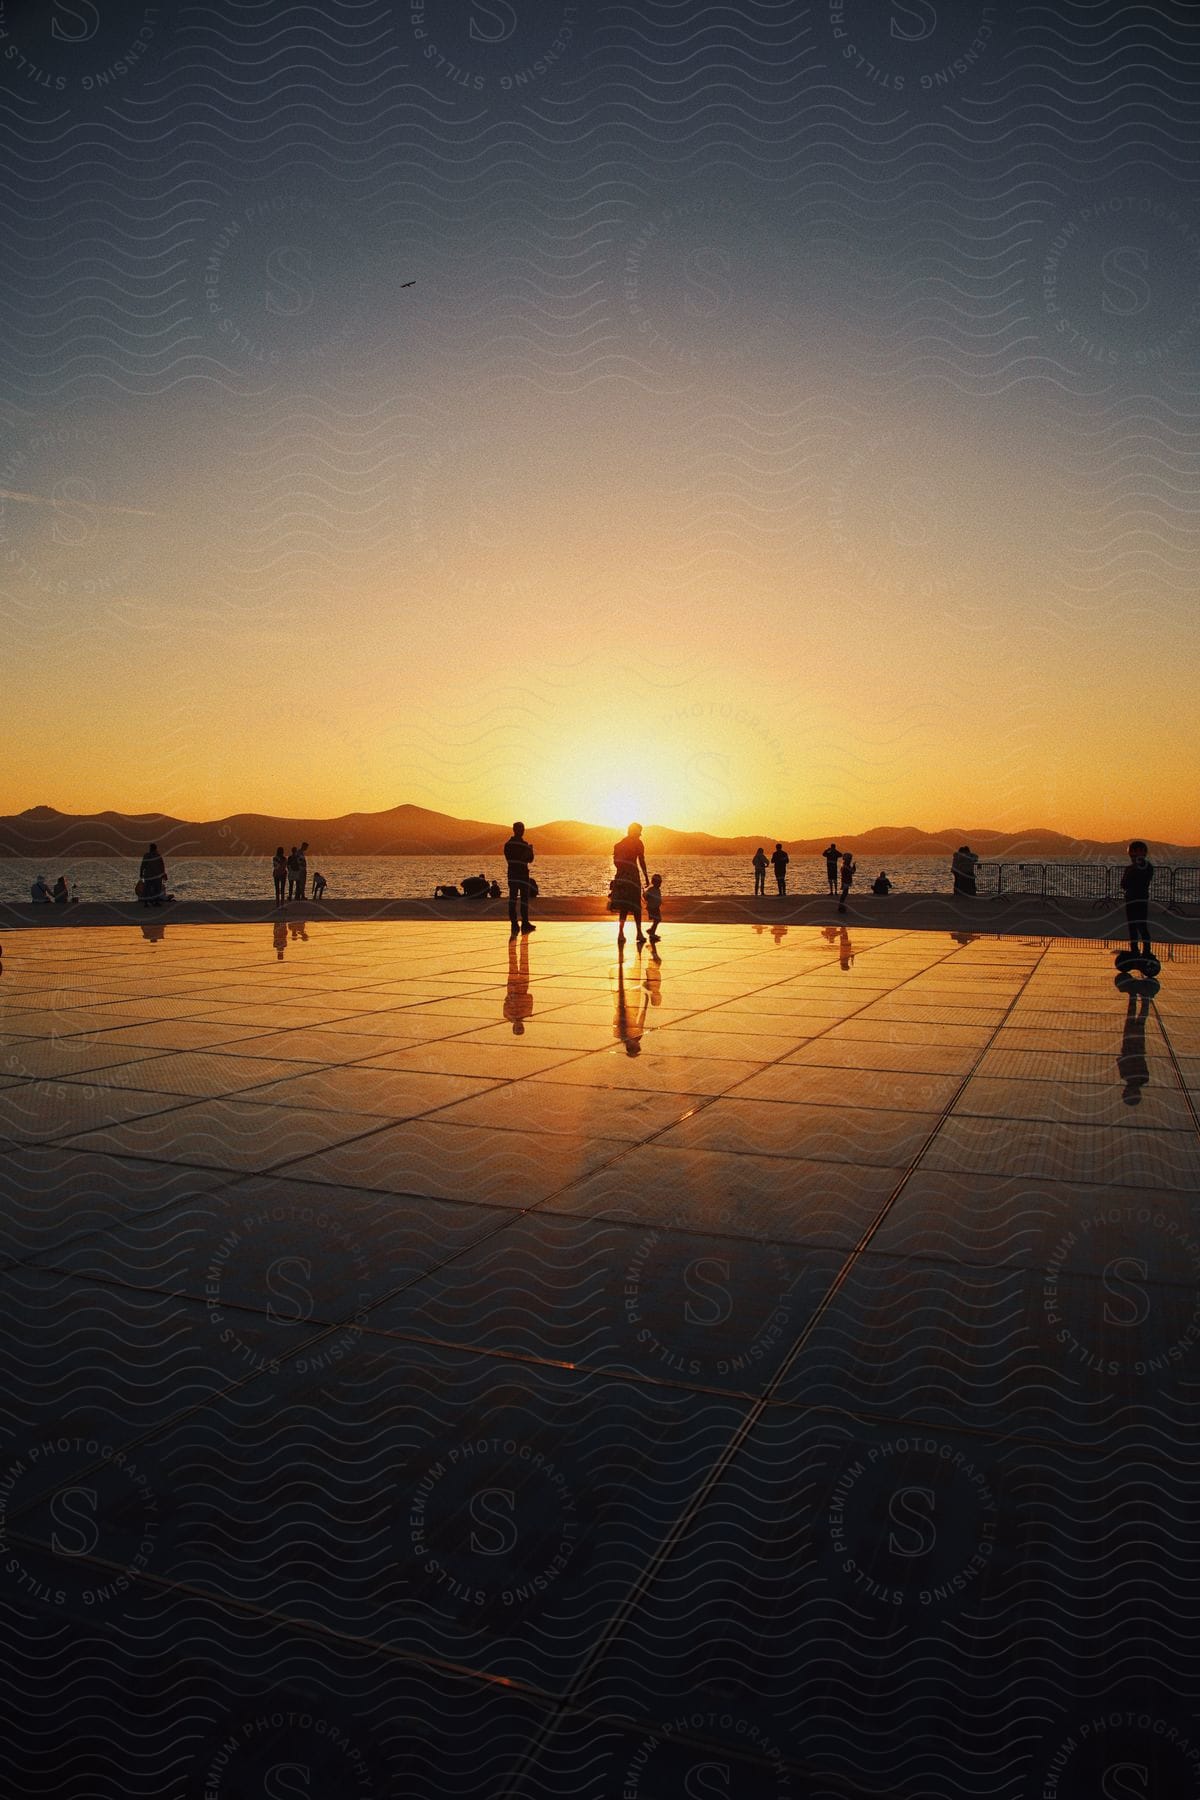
[
  {"x": 653, "y": 981},
  {"x": 1132, "y": 1066},
  {"x": 629, "y": 1022},
  {"x": 518, "y": 1001}
]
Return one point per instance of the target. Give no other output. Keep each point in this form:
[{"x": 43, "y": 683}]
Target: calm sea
[{"x": 415, "y": 877}]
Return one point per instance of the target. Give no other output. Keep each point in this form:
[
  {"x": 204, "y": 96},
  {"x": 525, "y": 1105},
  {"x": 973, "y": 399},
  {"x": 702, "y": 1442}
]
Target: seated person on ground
[
  {"x": 475, "y": 887},
  {"x": 62, "y": 892},
  {"x": 881, "y": 884},
  {"x": 40, "y": 889},
  {"x": 447, "y": 891}
]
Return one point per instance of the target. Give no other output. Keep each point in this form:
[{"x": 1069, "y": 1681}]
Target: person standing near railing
[
  {"x": 963, "y": 865},
  {"x": 1135, "y": 885}
]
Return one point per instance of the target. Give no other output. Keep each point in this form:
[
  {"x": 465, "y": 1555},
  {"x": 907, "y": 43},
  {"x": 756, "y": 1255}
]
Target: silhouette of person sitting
[
  {"x": 447, "y": 891},
  {"x": 475, "y": 887},
  {"x": 881, "y": 885}
]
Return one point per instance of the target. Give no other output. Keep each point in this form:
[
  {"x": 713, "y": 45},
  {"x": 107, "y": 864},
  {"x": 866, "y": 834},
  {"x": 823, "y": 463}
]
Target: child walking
[{"x": 654, "y": 906}]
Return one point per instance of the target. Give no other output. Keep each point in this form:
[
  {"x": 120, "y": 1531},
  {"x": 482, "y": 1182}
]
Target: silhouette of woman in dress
[{"x": 629, "y": 857}]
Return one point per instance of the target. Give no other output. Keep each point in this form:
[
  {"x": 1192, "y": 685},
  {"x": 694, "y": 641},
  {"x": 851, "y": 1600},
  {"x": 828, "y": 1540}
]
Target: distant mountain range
[{"x": 45, "y": 834}]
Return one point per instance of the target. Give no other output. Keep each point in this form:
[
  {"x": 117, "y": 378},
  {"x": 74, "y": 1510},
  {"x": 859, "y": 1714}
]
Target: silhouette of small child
[
  {"x": 848, "y": 872},
  {"x": 319, "y": 885},
  {"x": 654, "y": 906}
]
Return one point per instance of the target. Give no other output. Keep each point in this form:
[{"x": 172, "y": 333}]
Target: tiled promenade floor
[{"x": 435, "y": 1367}]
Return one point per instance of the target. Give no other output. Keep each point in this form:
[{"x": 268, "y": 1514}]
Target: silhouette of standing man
[
  {"x": 1135, "y": 885},
  {"x": 518, "y": 854},
  {"x": 831, "y": 866},
  {"x": 779, "y": 862}
]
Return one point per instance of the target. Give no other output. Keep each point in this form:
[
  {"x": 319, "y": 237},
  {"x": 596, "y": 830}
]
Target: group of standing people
[
  {"x": 631, "y": 884},
  {"x": 840, "y": 869},
  {"x": 289, "y": 872},
  {"x": 778, "y": 860}
]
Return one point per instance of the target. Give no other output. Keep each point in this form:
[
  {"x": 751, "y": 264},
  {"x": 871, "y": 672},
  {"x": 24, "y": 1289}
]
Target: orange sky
[{"x": 791, "y": 613}]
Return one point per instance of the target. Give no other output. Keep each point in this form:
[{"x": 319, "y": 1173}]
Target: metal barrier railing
[
  {"x": 1097, "y": 883},
  {"x": 1185, "y": 887},
  {"x": 1165, "y": 949},
  {"x": 1078, "y": 881},
  {"x": 1023, "y": 878}
]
